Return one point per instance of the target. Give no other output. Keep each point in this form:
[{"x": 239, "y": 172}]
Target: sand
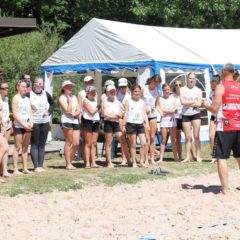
[{"x": 180, "y": 208}]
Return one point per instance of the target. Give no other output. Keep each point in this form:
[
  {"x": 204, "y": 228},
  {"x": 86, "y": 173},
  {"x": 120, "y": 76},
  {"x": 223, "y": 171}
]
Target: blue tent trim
[{"x": 107, "y": 67}]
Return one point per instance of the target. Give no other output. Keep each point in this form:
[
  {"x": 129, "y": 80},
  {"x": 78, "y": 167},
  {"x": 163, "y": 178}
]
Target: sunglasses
[
  {"x": 2, "y": 88},
  {"x": 178, "y": 85}
]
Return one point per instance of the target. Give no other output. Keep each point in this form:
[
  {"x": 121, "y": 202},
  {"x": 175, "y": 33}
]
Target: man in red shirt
[{"x": 227, "y": 105}]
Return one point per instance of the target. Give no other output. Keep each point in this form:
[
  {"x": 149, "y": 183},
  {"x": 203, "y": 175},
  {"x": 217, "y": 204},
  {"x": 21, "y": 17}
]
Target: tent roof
[
  {"x": 13, "y": 26},
  {"x": 103, "y": 44}
]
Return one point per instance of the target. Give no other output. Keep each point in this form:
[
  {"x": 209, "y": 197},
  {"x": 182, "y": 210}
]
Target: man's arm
[{"x": 217, "y": 100}]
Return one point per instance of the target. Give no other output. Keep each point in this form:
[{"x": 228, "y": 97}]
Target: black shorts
[
  {"x": 213, "y": 118},
  {"x": 19, "y": 131},
  {"x": 179, "y": 123},
  {"x": 111, "y": 127},
  {"x": 133, "y": 128},
  {"x": 90, "y": 126},
  {"x": 149, "y": 119},
  {"x": 190, "y": 118},
  {"x": 72, "y": 126},
  {"x": 224, "y": 142}
]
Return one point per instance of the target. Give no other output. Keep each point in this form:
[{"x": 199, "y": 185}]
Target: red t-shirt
[{"x": 228, "y": 116}]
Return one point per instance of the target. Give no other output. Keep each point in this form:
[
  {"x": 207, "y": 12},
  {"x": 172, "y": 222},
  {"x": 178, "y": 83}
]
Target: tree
[{"x": 25, "y": 53}]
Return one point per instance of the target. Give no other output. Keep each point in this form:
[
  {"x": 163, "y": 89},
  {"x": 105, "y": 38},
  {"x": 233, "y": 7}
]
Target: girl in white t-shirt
[
  {"x": 23, "y": 123},
  {"x": 112, "y": 113},
  {"x": 150, "y": 96},
  {"x": 178, "y": 116},
  {"x": 6, "y": 131},
  {"x": 90, "y": 126},
  {"x": 133, "y": 124},
  {"x": 168, "y": 121},
  {"x": 3, "y": 140},
  {"x": 191, "y": 99},
  {"x": 70, "y": 121}
]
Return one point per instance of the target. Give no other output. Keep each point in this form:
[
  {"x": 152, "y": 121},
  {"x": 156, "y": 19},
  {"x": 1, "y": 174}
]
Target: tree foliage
[
  {"x": 68, "y": 16},
  {"x": 24, "y": 54}
]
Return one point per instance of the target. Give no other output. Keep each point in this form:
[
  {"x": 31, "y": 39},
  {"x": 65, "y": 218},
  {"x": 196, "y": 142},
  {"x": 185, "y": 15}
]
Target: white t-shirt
[
  {"x": 190, "y": 94},
  {"x": 113, "y": 108},
  {"x": 89, "y": 116},
  {"x": 150, "y": 97},
  {"x": 136, "y": 111},
  {"x": 65, "y": 118},
  {"x": 40, "y": 106},
  {"x": 179, "y": 106},
  {"x": 5, "y": 112},
  {"x": 168, "y": 120},
  {"x": 22, "y": 110}
]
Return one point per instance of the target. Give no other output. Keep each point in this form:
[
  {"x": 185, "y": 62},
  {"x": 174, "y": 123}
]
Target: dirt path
[{"x": 182, "y": 208}]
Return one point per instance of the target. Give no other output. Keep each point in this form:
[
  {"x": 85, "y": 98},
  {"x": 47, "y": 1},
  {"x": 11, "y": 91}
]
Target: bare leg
[
  {"x": 188, "y": 140},
  {"x": 179, "y": 144},
  {"x": 68, "y": 134},
  {"x": 87, "y": 148},
  {"x": 108, "y": 146},
  {"x": 153, "y": 129},
  {"x": 25, "y": 144},
  {"x": 172, "y": 132},
  {"x": 93, "y": 149},
  {"x": 123, "y": 143},
  {"x": 75, "y": 143},
  {"x": 143, "y": 148},
  {"x": 223, "y": 174},
  {"x": 164, "y": 132},
  {"x": 196, "y": 129},
  {"x": 18, "y": 138},
  {"x": 212, "y": 130},
  {"x": 132, "y": 141},
  {"x": 5, "y": 172},
  {"x": 3, "y": 149}
]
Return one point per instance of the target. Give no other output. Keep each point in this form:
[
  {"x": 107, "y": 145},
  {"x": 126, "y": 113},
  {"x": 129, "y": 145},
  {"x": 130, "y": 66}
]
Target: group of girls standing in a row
[
  {"x": 30, "y": 110},
  {"x": 131, "y": 116}
]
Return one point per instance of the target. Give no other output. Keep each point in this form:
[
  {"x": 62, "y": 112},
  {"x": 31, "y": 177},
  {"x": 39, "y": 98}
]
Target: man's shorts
[
  {"x": 224, "y": 142},
  {"x": 132, "y": 128},
  {"x": 190, "y": 118},
  {"x": 90, "y": 126},
  {"x": 111, "y": 127},
  {"x": 72, "y": 126}
]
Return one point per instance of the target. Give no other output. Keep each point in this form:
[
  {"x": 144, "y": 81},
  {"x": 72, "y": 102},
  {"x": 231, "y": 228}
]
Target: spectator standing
[
  {"x": 151, "y": 96},
  {"x": 168, "y": 122},
  {"x": 70, "y": 121},
  {"x": 42, "y": 106},
  {"x": 6, "y": 120},
  {"x": 178, "y": 116},
  {"x": 191, "y": 99},
  {"x": 23, "y": 123},
  {"x": 133, "y": 124},
  {"x": 112, "y": 113},
  {"x": 90, "y": 125}
]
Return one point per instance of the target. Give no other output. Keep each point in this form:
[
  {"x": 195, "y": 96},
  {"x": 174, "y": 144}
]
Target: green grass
[{"x": 56, "y": 178}]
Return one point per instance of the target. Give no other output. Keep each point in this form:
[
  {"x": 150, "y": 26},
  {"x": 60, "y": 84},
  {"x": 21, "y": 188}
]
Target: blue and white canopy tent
[{"x": 130, "y": 50}]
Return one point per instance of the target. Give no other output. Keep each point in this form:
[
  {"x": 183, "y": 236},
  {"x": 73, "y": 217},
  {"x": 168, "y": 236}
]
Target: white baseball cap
[
  {"x": 88, "y": 78},
  {"x": 67, "y": 82},
  {"x": 90, "y": 89},
  {"x": 109, "y": 82},
  {"x": 122, "y": 82},
  {"x": 110, "y": 87}
]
